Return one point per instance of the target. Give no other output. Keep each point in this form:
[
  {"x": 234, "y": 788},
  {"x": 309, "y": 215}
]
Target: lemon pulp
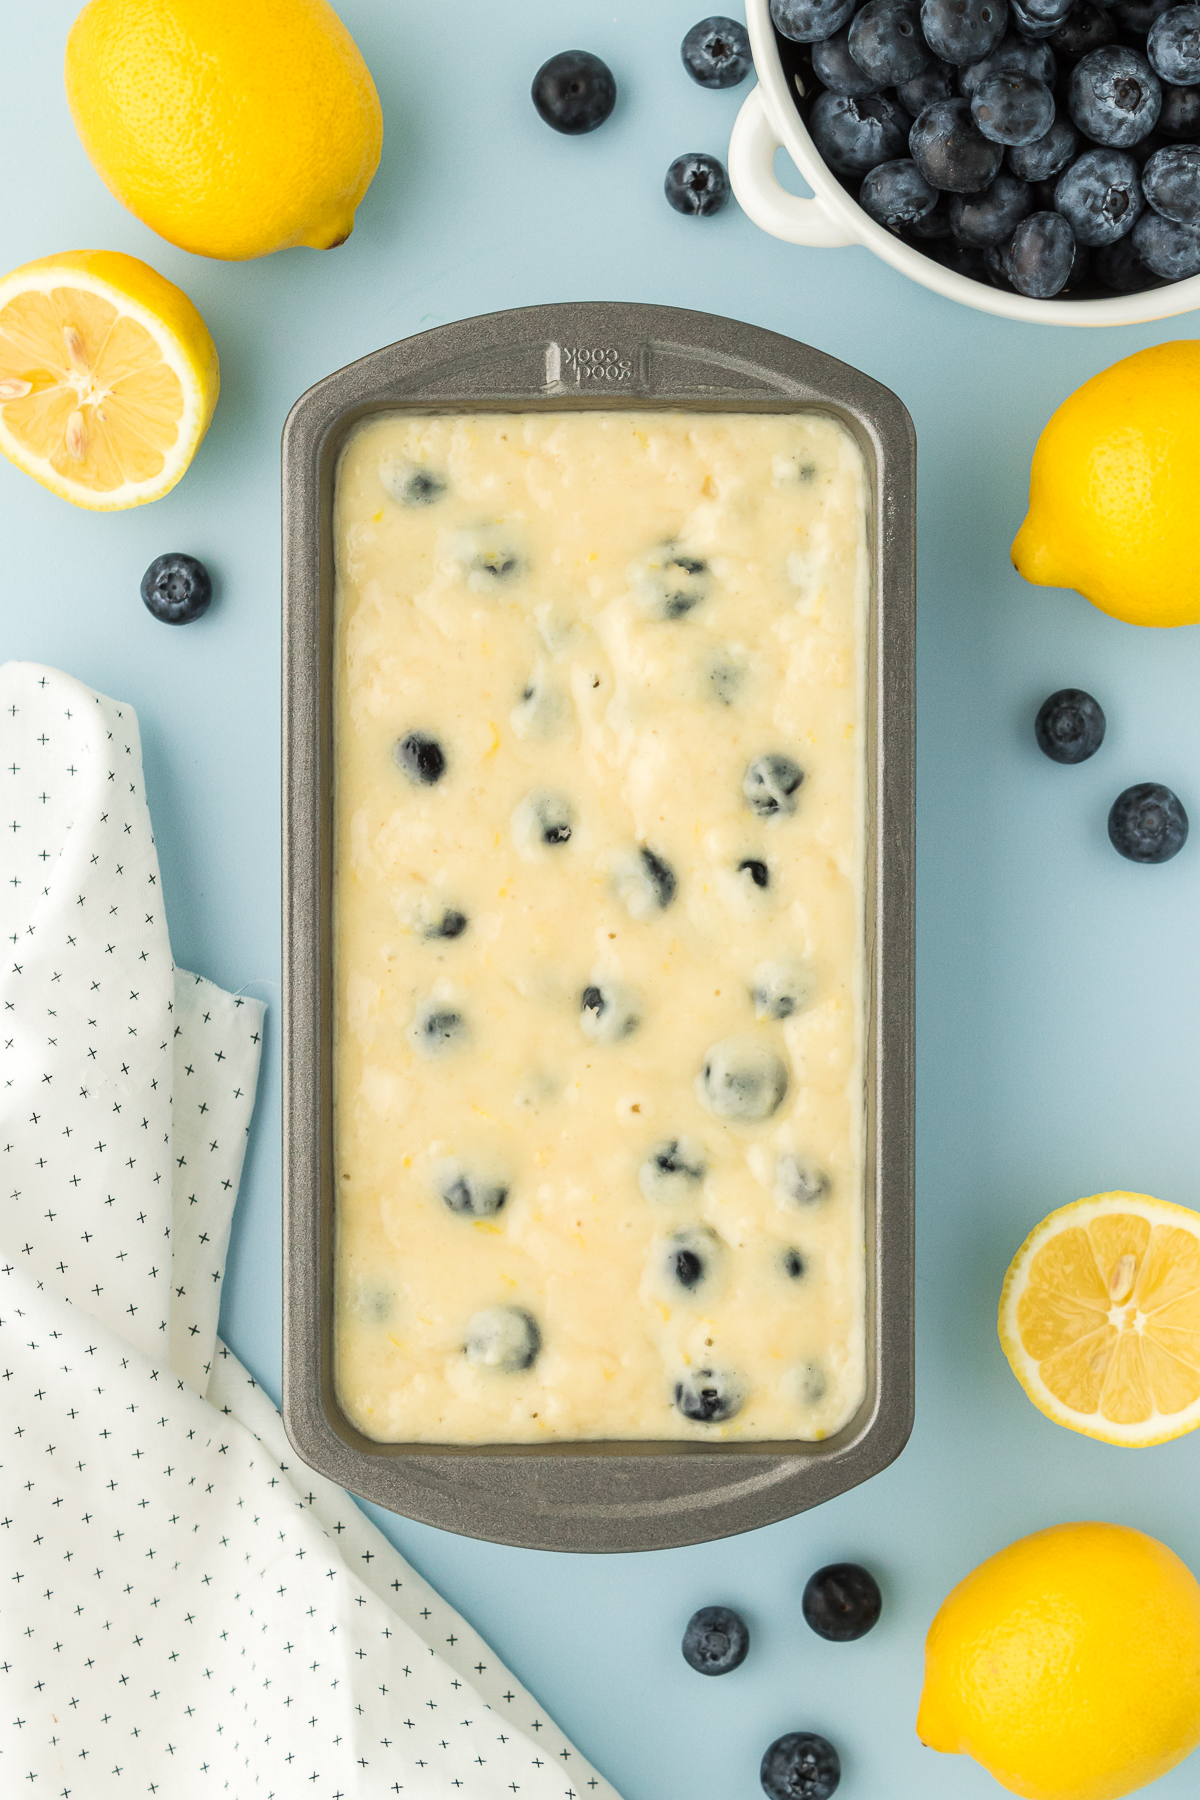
[
  {"x": 1100, "y": 1318},
  {"x": 107, "y": 378}
]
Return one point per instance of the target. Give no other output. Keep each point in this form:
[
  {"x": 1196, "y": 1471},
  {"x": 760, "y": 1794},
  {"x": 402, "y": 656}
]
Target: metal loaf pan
[{"x": 594, "y": 1496}]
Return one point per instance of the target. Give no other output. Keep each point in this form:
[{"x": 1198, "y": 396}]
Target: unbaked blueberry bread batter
[{"x": 598, "y": 926}]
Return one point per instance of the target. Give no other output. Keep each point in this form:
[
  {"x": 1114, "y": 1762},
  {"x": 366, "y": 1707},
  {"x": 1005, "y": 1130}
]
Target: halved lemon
[
  {"x": 108, "y": 377},
  {"x": 1100, "y": 1318}
]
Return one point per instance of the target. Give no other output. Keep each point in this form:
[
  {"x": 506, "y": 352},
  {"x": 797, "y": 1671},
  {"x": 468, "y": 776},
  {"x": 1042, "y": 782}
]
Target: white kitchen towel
[{"x": 186, "y": 1610}]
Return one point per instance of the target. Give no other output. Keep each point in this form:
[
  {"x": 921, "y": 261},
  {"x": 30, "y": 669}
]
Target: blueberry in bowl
[
  {"x": 176, "y": 588},
  {"x": 983, "y": 137}
]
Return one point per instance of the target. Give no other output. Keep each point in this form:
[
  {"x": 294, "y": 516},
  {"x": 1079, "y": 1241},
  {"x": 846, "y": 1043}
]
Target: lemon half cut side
[
  {"x": 108, "y": 378},
  {"x": 1100, "y": 1318}
]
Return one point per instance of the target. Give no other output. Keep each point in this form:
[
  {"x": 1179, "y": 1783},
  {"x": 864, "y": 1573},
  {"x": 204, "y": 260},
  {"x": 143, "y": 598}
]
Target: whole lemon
[
  {"x": 1069, "y": 1664},
  {"x": 1113, "y": 508},
  {"x": 230, "y": 127}
]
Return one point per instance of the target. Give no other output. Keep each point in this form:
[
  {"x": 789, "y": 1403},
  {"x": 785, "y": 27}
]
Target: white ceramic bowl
[{"x": 769, "y": 118}]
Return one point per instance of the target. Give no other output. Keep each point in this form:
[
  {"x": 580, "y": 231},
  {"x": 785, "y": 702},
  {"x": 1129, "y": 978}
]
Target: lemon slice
[
  {"x": 108, "y": 378},
  {"x": 1100, "y": 1318}
]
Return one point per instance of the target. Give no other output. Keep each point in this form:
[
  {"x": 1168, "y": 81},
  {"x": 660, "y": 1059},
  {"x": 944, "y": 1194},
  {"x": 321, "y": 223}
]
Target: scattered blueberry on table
[
  {"x": 842, "y": 1602},
  {"x": 800, "y": 1766},
  {"x": 176, "y": 588},
  {"x": 1058, "y": 126},
  {"x": 716, "y": 52},
  {"x": 574, "y": 92},
  {"x": 696, "y": 183},
  {"x": 1069, "y": 726},
  {"x": 1147, "y": 823},
  {"x": 715, "y": 1641}
]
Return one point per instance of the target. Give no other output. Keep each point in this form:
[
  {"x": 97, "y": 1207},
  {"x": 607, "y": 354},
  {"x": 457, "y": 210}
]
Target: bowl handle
[{"x": 791, "y": 217}]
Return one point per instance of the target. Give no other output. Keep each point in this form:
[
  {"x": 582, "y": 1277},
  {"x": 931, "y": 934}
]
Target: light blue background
[{"x": 1058, "y": 1016}]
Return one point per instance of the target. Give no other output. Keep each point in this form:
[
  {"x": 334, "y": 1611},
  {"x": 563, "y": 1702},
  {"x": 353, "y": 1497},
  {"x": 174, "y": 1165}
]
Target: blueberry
[
  {"x": 1086, "y": 27},
  {"x": 1140, "y": 16},
  {"x": 1100, "y": 195},
  {"x": 452, "y": 924},
  {"x": 854, "y": 133},
  {"x": 742, "y": 1079},
  {"x": 646, "y": 883},
  {"x": 1170, "y": 249},
  {"x": 960, "y": 260},
  {"x": 607, "y": 1013},
  {"x": 469, "y": 1195},
  {"x": 885, "y": 40},
  {"x": 176, "y": 588},
  {"x": 1147, "y": 823},
  {"x": 697, "y": 184},
  {"x": 758, "y": 871},
  {"x": 996, "y": 264},
  {"x": 950, "y": 151},
  {"x": 841, "y": 1602},
  {"x": 543, "y": 819},
  {"x": 809, "y": 21},
  {"x": 800, "y": 1766},
  {"x": 1014, "y": 57},
  {"x": 437, "y": 1028},
  {"x": 503, "y": 1337},
  {"x": 963, "y": 31},
  {"x": 1180, "y": 115},
  {"x": 690, "y": 1255},
  {"x": 673, "y": 1170},
  {"x": 1171, "y": 183},
  {"x": 937, "y": 82},
  {"x": 991, "y": 216},
  {"x": 1038, "y": 18},
  {"x": 422, "y": 758},
  {"x": 1046, "y": 156},
  {"x": 1069, "y": 726},
  {"x": 716, "y": 53},
  {"x": 798, "y": 1182},
  {"x": 811, "y": 1384},
  {"x": 1119, "y": 267},
  {"x": 1013, "y": 109},
  {"x": 492, "y": 564},
  {"x": 540, "y": 711},
  {"x": 935, "y": 224},
  {"x": 836, "y": 68},
  {"x": 1114, "y": 96},
  {"x": 1081, "y": 269},
  {"x": 412, "y": 486},
  {"x": 770, "y": 785},
  {"x": 574, "y": 92},
  {"x": 670, "y": 582},
  {"x": 1173, "y": 45},
  {"x": 779, "y": 990},
  {"x": 793, "y": 1265},
  {"x": 708, "y": 1396},
  {"x": 1040, "y": 255},
  {"x": 716, "y": 1640},
  {"x": 897, "y": 194}
]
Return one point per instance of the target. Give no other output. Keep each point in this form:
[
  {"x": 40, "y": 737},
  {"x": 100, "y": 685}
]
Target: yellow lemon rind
[
  {"x": 1160, "y": 1428},
  {"x": 200, "y": 396}
]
